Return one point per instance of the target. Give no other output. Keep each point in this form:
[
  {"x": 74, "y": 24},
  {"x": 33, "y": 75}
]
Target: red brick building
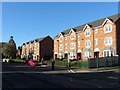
[
  {"x": 99, "y": 38},
  {"x": 38, "y": 48}
]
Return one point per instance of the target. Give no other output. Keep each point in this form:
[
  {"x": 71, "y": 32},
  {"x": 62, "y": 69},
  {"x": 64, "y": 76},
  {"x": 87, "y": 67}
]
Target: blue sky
[{"x": 26, "y": 21}]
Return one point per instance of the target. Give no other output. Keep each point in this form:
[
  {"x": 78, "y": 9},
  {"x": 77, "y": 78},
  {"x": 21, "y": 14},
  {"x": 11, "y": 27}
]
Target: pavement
[
  {"x": 94, "y": 70},
  {"x": 24, "y": 76}
]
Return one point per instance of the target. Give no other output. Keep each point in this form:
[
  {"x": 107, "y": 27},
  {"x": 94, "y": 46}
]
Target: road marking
[
  {"x": 83, "y": 71},
  {"x": 5, "y": 85},
  {"x": 113, "y": 77},
  {"x": 71, "y": 71},
  {"x": 97, "y": 85},
  {"x": 94, "y": 82},
  {"x": 68, "y": 70}
]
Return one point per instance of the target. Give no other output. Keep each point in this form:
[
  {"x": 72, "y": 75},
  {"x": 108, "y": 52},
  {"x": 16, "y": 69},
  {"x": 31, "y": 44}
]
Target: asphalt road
[{"x": 24, "y": 76}]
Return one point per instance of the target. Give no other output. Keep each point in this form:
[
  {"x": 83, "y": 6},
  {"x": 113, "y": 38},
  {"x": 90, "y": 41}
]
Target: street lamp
[
  {"x": 111, "y": 56},
  {"x": 68, "y": 59}
]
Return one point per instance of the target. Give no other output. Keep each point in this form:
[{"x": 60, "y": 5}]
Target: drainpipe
[
  {"x": 58, "y": 48},
  {"x": 76, "y": 45}
]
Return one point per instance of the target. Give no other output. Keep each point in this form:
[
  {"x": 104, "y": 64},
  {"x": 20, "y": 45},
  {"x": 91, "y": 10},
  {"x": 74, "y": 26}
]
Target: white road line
[
  {"x": 68, "y": 70},
  {"x": 94, "y": 80},
  {"x": 114, "y": 77},
  {"x": 72, "y": 71},
  {"x": 97, "y": 85}
]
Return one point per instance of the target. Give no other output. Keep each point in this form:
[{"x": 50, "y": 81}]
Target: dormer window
[
  {"x": 72, "y": 36},
  {"x": 108, "y": 28},
  {"x": 61, "y": 39},
  {"x": 87, "y": 33}
]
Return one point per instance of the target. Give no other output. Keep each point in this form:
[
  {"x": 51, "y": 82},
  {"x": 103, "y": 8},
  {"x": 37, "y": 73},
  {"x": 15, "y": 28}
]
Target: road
[{"x": 24, "y": 76}]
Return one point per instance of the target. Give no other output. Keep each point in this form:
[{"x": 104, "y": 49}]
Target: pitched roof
[
  {"x": 95, "y": 23},
  {"x": 40, "y": 39},
  {"x": 37, "y": 39}
]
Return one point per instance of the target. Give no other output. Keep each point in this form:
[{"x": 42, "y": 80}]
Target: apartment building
[
  {"x": 99, "y": 38},
  {"x": 40, "y": 48}
]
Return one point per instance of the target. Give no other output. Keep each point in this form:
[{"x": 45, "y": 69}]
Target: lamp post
[
  {"x": 68, "y": 59},
  {"x": 97, "y": 63},
  {"x": 58, "y": 47},
  {"x": 111, "y": 56}
]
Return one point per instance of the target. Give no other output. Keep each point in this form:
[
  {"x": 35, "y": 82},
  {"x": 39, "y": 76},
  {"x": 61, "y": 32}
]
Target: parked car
[
  {"x": 26, "y": 60},
  {"x": 33, "y": 63}
]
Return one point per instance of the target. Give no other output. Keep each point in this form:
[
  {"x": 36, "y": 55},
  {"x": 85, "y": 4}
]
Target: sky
[{"x": 27, "y": 21}]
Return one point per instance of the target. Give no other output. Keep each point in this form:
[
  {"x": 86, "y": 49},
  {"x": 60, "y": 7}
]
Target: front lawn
[{"x": 16, "y": 60}]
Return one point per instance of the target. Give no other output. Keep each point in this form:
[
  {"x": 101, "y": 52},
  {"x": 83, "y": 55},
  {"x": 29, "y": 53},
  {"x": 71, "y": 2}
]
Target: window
[
  {"x": 87, "y": 55},
  {"x": 96, "y": 41},
  {"x": 35, "y": 51},
  {"x": 61, "y": 39},
  {"x": 108, "y": 41},
  {"x": 72, "y": 36},
  {"x": 61, "y": 47},
  {"x": 108, "y": 28},
  {"x": 72, "y": 45},
  {"x": 96, "y": 30},
  {"x": 87, "y": 33},
  {"x": 60, "y": 54},
  {"x": 88, "y": 43},
  {"x": 107, "y": 53},
  {"x": 72, "y": 54}
]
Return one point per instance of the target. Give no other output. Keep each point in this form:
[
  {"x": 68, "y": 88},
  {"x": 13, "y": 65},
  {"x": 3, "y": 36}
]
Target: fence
[
  {"x": 104, "y": 62},
  {"x": 90, "y": 63}
]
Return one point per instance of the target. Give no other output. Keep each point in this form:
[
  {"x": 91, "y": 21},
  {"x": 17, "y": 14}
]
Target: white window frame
[
  {"x": 61, "y": 47},
  {"x": 109, "y": 53},
  {"x": 108, "y": 38},
  {"x": 61, "y": 39},
  {"x": 60, "y": 54},
  {"x": 72, "y": 37},
  {"x": 86, "y": 43},
  {"x": 96, "y": 41},
  {"x": 72, "y": 54},
  {"x": 108, "y": 26},
  {"x": 71, "y": 45},
  {"x": 87, "y": 35},
  {"x": 87, "y": 54}
]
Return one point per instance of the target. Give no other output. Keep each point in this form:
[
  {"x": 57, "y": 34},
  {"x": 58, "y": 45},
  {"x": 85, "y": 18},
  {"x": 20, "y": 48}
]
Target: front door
[
  {"x": 66, "y": 56},
  {"x": 96, "y": 54},
  {"x": 79, "y": 56},
  {"x": 55, "y": 56}
]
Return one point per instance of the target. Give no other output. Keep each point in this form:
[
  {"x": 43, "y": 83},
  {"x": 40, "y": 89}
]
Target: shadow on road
[{"x": 56, "y": 80}]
